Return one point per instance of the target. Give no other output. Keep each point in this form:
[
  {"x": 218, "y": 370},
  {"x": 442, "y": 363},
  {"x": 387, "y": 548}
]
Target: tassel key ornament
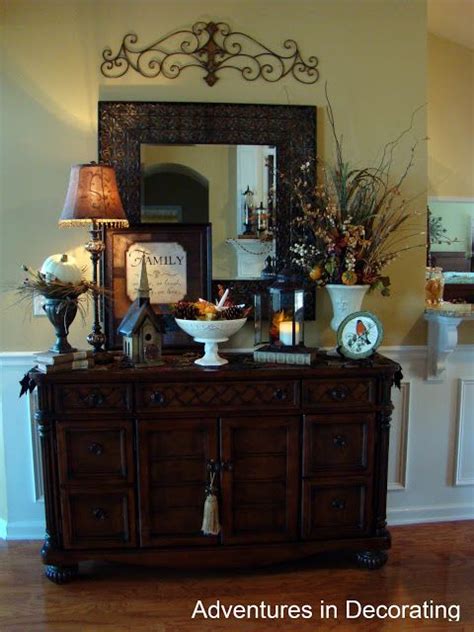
[{"x": 210, "y": 520}]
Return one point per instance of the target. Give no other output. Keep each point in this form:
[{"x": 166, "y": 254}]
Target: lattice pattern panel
[{"x": 282, "y": 394}]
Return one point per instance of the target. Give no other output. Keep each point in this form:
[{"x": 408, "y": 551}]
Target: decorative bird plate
[{"x": 359, "y": 335}]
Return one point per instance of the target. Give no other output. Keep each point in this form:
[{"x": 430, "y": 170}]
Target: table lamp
[{"x": 93, "y": 200}]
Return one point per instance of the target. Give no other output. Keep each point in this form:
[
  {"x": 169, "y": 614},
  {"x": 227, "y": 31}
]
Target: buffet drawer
[
  {"x": 223, "y": 396},
  {"x": 332, "y": 510},
  {"x": 102, "y": 398},
  {"x": 338, "y": 444},
  {"x": 98, "y": 519},
  {"x": 95, "y": 450},
  {"x": 332, "y": 393}
]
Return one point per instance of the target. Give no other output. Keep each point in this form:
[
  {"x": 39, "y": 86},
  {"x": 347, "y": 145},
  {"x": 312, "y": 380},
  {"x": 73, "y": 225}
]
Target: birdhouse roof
[{"x": 135, "y": 317}]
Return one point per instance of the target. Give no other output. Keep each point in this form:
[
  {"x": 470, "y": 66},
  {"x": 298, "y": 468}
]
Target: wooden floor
[{"x": 433, "y": 561}]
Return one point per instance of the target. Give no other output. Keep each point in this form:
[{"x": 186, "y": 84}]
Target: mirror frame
[{"x": 125, "y": 125}]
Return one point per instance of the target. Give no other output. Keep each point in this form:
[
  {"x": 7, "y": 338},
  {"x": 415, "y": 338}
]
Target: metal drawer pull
[
  {"x": 337, "y": 503},
  {"x": 99, "y": 513},
  {"x": 279, "y": 394},
  {"x": 219, "y": 466},
  {"x": 339, "y": 393},
  {"x": 157, "y": 398},
  {"x": 212, "y": 466},
  {"x": 96, "y": 448},
  {"x": 96, "y": 399},
  {"x": 339, "y": 441}
]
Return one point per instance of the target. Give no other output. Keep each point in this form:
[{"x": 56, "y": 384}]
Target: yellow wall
[
  {"x": 372, "y": 53},
  {"x": 450, "y": 119}
]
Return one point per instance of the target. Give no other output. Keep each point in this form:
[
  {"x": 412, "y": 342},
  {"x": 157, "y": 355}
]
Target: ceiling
[{"x": 453, "y": 20}]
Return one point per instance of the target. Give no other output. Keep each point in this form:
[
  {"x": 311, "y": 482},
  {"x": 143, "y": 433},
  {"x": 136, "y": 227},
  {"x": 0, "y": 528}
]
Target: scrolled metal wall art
[{"x": 212, "y": 47}]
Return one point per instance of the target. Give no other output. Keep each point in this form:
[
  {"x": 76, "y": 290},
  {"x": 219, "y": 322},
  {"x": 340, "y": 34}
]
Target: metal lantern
[
  {"x": 284, "y": 304},
  {"x": 286, "y": 311}
]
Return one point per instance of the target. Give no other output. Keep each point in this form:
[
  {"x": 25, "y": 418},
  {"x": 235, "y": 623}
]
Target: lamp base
[
  {"x": 103, "y": 357},
  {"x": 95, "y": 247},
  {"x": 97, "y": 340}
]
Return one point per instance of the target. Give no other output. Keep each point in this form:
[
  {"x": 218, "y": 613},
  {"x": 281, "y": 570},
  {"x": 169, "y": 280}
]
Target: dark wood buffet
[{"x": 300, "y": 455}]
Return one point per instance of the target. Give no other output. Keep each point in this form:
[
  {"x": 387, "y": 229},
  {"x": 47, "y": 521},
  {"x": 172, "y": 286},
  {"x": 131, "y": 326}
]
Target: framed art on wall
[{"x": 178, "y": 258}]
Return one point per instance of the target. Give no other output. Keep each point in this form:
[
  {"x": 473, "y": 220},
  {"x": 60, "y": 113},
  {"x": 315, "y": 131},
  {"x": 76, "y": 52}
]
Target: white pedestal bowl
[{"x": 211, "y": 332}]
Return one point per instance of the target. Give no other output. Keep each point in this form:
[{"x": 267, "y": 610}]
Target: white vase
[{"x": 345, "y": 299}]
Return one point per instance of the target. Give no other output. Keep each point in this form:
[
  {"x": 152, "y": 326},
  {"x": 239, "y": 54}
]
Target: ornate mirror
[{"x": 142, "y": 139}]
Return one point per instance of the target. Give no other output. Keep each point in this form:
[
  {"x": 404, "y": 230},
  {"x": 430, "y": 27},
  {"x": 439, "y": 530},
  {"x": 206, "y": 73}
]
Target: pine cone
[
  {"x": 233, "y": 312},
  {"x": 185, "y": 310}
]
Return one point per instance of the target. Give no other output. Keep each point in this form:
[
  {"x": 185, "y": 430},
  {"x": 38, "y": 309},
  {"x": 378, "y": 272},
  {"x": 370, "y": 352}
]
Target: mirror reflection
[{"x": 231, "y": 186}]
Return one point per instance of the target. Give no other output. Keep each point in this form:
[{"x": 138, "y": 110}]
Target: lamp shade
[{"x": 93, "y": 197}]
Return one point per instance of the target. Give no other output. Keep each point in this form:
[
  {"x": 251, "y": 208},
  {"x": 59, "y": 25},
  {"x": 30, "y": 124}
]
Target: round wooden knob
[
  {"x": 339, "y": 441},
  {"x": 96, "y": 448},
  {"x": 99, "y": 513},
  {"x": 339, "y": 393},
  {"x": 96, "y": 399},
  {"x": 157, "y": 398}
]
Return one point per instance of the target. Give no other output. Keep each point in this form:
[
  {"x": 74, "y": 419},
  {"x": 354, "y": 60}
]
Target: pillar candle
[{"x": 286, "y": 332}]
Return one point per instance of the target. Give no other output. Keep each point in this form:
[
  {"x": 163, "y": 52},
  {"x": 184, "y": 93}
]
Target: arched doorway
[{"x": 174, "y": 193}]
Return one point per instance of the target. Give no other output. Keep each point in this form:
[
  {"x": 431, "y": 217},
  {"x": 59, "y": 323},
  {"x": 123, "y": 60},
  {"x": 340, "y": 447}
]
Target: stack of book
[{"x": 48, "y": 362}]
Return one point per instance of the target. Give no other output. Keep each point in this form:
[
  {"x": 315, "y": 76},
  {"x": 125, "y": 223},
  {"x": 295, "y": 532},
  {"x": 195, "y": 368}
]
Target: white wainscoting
[
  {"x": 25, "y": 509},
  {"x": 464, "y": 472},
  {"x": 432, "y": 450},
  {"x": 431, "y": 465},
  {"x": 399, "y": 433}
]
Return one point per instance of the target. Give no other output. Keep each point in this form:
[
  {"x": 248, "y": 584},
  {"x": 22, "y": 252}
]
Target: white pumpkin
[{"x": 61, "y": 267}]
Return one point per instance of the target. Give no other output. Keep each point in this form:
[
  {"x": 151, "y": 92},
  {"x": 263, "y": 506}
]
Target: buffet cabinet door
[
  {"x": 259, "y": 478},
  {"x": 174, "y": 456}
]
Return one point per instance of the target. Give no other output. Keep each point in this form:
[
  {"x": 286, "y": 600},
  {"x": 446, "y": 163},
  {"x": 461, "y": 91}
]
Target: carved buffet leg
[
  {"x": 60, "y": 574},
  {"x": 371, "y": 559},
  {"x": 382, "y": 469},
  {"x": 384, "y": 418},
  {"x": 45, "y": 431}
]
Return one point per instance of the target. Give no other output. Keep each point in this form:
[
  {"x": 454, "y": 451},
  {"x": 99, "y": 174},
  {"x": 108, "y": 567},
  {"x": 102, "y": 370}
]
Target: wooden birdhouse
[{"x": 141, "y": 328}]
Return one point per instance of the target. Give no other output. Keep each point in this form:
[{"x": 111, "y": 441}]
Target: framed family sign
[{"x": 178, "y": 258}]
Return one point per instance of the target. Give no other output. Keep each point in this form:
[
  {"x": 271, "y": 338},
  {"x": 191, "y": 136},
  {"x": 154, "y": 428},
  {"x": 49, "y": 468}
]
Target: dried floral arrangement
[
  {"x": 222, "y": 309},
  {"x": 355, "y": 222}
]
